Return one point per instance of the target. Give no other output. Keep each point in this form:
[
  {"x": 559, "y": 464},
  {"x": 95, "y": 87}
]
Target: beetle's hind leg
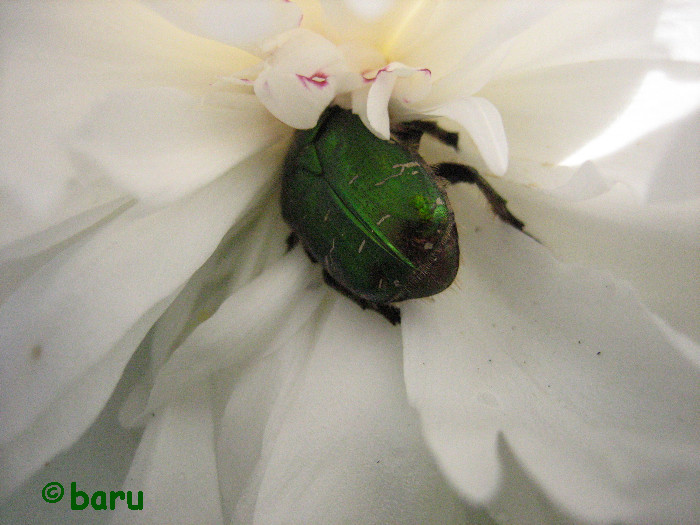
[
  {"x": 453, "y": 172},
  {"x": 390, "y": 313}
]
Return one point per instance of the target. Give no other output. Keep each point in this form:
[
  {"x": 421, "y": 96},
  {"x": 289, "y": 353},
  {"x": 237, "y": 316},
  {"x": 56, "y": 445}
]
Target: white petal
[
  {"x": 661, "y": 166},
  {"x": 65, "y": 415},
  {"x": 482, "y": 121},
  {"x": 654, "y": 247},
  {"x": 244, "y": 417},
  {"x": 612, "y": 30},
  {"x": 465, "y": 43},
  {"x": 297, "y": 101},
  {"x": 175, "y": 466},
  {"x": 568, "y": 367},
  {"x": 378, "y": 104},
  {"x": 413, "y": 85},
  {"x": 24, "y": 233},
  {"x": 394, "y": 81},
  {"x": 582, "y": 101},
  {"x": 493, "y": 40},
  {"x": 301, "y": 78},
  {"x": 58, "y": 60},
  {"x": 99, "y": 460},
  {"x": 256, "y": 311},
  {"x": 21, "y": 258},
  {"x": 241, "y": 256},
  {"x": 664, "y": 96},
  {"x": 369, "y": 9},
  {"x": 333, "y": 438},
  {"x": 160, "y": 144},
  {"x": 68, "y": 317},
  {"x": 348, "y": 22},
  {"x": 241, "y": 23},
  {"x": 648, "y": 217},
  {"x": 668, "y": 182},
  {"x": 677, "y": 29},
  {"x": 359, "y": 98},
  {"x": 586, "y": 183}
]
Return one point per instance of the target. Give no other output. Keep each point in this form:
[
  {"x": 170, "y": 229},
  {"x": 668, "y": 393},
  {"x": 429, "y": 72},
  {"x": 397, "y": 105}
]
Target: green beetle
[{"x": 373, "y": 212}]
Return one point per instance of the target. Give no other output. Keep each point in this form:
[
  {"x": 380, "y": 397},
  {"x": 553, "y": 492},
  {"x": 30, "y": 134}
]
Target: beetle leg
[
  {"x": 292, "y": 241},
  {"x": 410, "y": 133},
  {"x": 390, "y": 313},
  {"x": 454, "y": 173}
]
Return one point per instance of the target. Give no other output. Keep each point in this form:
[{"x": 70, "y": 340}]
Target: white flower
[{"x": 144, "y": 273}]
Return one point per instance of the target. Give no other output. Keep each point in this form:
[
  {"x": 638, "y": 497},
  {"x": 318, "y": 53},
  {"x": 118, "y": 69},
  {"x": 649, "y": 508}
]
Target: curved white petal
[
  {"x": 24, "y": 233},
  {"x": 301, "y": 421},
  {"x": 654, "y": 246},
  {"x": 643, "y": 229},
  {"x": 99, "y": 460},
  {"x": 394, "y": 81},
  {"x": 160, "y": 144},
  {"x": 242, "y": 256},
  {"x": 627, "y": 29},
  {"x": 70, "y": 316},
  {"x": 413, "y": 85},
  {"x": 482, "y": 121},
  {"x": 256, "y": 311},
  {"x": 21, "y": 258},
  {"x": 65, "y": 415},
  {"x": 677, "y": 30},
  {"x": 175, "y": 465},
  {"x": 586, "y": 183},
  {"x": 60, "y": 58},
  {"x": 665, "y": 96},
  {"x": 465, "y": 43},
  {"x": 661, "y": 166},
  {"x": 378, "y": 104},
  {"x": 551, "y": 114},
  {"x": 245, "y": 24},
  {"x": 333, "y": 438},
  {"x": 491, "y": 40},
  {"x": 562, "y": 365},
  {"x": 301, "y": 78}
]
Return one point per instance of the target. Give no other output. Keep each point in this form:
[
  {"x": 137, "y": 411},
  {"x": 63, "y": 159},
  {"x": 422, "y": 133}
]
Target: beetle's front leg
[
  {"x": 454, "y": 172},
  {"x": 410, "y": 133},
  {"x": 390, "y": 313}
]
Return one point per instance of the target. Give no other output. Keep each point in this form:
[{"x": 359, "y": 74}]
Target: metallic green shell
[{"x": 371, "y": 211}]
